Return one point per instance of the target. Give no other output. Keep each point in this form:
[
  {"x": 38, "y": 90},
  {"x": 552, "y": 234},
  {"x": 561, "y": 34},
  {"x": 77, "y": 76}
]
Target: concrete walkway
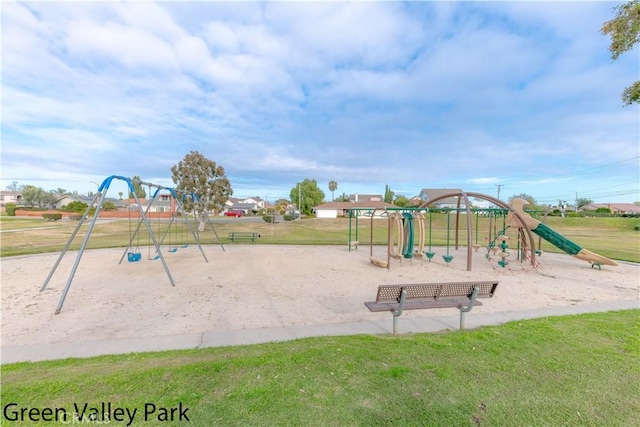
[{"x": 38, "y": 352}]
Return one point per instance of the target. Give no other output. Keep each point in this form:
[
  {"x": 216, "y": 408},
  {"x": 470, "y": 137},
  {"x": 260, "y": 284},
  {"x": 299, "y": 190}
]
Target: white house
[
  {"x": 362, "y": 209},
  {"x": 7, "y": 196},
  {"x": 250, "y": 204}
]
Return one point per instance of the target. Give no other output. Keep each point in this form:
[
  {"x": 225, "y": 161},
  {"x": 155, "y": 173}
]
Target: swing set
[
  {"x": 132, "y": 252},
  {"x": 184, "y": 227}
]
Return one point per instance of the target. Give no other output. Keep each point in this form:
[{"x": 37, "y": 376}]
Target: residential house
[
  {"x": 7, "y": 196},
  {"x": 427, "y": 194},
  {"x": 162, "y": 203},
  {"x": 65, "y": 199},
  {"x": 247, "y": 205},
  {"x": 362, "y": 209},
  {"x": 615, "y": 208},
  {"x": 357, "y": 198}
]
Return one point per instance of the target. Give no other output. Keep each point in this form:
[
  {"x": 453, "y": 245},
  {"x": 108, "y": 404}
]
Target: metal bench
[
  {"x": 462, "y": 295},
  {"x": 243, "y": 235}
]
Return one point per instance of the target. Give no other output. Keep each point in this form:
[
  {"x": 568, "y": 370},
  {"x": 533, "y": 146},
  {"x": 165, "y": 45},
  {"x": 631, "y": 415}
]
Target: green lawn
[
  {"x": 612, "y": 237},
  {"x": 572, "y": 371}
]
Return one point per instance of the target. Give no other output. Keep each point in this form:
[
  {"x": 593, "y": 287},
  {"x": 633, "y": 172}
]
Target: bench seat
[
  {"x": 417, "y": 296},
  {"x": 243, "y": 235}
]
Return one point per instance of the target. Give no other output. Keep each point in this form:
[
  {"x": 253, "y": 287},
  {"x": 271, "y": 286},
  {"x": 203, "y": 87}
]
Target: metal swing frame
[
  {"x": 179, "y": 209},
  {"x": 98, "y": 201}
]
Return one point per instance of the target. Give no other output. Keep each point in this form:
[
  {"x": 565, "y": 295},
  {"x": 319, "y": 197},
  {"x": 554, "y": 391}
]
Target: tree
[
  {"x": 306, "y": 195},
  {"x": 14, "y": 186},
  {"x": 533, "y": 205},
  {"x": 280, "y": 205},
  {"x": 137, "y": 187},
  {"x": 388, "y": 194},
  {"x": 30, "y": 195},
  {"x": 333, "y": 186},
  {"x": 342, "y": 198},
  {"x": 401, "y": 201},
  {"x": 195, "y": 174},
  {"x": 624, "y": 30},
  {"x": 583, "y": 202},
  {"x": 36, "y": 196},
  {"x": 76, "y": 206}
]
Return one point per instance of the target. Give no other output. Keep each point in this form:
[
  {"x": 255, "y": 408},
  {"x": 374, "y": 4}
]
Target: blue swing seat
[{"x": 134, "y": 256}]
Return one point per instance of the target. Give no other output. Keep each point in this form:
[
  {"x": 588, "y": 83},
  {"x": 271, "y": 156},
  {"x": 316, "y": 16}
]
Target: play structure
[
  {"x": 501, "y": 247},
  {"x": 132, "y": 252},
  {"x": 401, "y": 237},
  {"x": 555, "y": 238}
]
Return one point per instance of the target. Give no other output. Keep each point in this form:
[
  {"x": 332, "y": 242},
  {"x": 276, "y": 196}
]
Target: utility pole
[
  {"x": 499, "y": 187},
  {"x": 576, "y": 201}
]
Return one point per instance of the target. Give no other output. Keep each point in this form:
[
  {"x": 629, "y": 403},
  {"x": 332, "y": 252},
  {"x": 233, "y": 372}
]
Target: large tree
[
  {"x": 306, "y": 195},
  {"x": 333, "y": 186},
  {"x": 197, "y": 175},
  {"x": 624, "y": 30},
  {"x": 36, "y": 196}
]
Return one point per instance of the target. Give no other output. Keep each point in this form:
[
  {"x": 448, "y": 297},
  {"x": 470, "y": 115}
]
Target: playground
[
  {"x": 157, "y": 287},
  {"x": 264, "y": 286}
]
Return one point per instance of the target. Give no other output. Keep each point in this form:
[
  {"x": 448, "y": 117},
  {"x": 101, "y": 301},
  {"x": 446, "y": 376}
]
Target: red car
[{"x": 237, "y": 214}]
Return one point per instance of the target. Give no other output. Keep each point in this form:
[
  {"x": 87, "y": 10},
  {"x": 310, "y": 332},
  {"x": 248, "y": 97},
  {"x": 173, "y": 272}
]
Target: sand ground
[{"x": 261, "y": 286}]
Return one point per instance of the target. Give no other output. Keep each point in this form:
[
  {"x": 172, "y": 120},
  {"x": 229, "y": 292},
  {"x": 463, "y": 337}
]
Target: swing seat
[
  {"x": 185, "y": 246},
  {"x": 134, "y": 256},
  {"x": 173, "y": 250}
]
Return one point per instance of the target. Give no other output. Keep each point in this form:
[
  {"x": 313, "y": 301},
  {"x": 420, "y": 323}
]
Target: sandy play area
[{"x": 256, "y": 286}]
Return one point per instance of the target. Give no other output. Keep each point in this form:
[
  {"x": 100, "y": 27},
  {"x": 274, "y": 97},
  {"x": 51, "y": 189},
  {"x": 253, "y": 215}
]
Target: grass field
[
  {"x": 572, "y": 371},
  {"x": 612, "y": 237}
]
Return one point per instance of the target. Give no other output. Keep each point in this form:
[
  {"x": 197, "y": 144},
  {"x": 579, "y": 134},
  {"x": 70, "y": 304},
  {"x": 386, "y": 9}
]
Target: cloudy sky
[{"x": 471, "y": 95}]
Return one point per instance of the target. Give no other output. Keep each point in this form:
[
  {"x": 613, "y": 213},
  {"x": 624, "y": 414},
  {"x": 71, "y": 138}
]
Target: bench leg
[
  {"x": 397, "y": 313},
  {"x": 463, "y": 310}
]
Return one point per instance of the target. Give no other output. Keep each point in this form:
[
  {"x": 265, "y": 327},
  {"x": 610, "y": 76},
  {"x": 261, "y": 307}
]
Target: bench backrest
[{"x": 434, "y": 291}]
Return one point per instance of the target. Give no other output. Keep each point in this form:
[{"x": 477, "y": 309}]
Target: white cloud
[{"x": 411, "y": 94}]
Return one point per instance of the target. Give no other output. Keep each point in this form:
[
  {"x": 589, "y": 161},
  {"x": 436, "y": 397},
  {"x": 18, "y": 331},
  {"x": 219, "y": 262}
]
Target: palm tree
[{"x": 333, "y": 186}]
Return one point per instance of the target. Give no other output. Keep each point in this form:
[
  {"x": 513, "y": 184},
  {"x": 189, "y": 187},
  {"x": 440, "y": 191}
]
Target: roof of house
[
  {"x": 357, "y": 198},
  {"x": 433, "y": 193},
  {"x": 614, "y": 207},
  {"x": 354, "y": 205},
  {"x": 244, "y": 206}
]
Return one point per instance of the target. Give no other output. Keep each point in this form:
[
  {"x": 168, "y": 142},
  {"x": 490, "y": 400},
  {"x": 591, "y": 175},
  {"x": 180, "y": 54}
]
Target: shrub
[
  {"x": 108, "y": 206},
  {"x": 267, "y": 218},
  {"x": 289, "y": 217},
  {"x": 11, "y": 209},
  {"x": 52, "y": 217},
  {"x": 76, "y": 206}
]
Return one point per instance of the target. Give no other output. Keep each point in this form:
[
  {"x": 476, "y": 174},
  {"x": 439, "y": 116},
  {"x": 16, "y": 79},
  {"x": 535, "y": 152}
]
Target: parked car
[{"x": 237, "y": 214}]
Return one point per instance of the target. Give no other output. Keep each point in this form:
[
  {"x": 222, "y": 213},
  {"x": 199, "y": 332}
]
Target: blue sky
[{"x": 415, "y": 95}]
